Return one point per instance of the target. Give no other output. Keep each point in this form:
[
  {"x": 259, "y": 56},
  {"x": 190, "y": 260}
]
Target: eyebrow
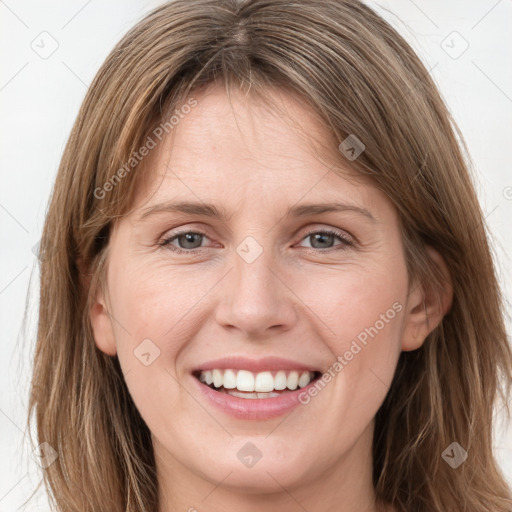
[{"x": 210, "y": 210}]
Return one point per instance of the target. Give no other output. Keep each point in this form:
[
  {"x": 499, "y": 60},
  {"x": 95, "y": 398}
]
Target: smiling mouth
[{"x": 251, "y": 385}]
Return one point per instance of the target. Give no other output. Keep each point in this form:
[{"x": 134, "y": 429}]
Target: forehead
[
  {"x": 249, "y": 147},
  {"x": 250, "y": 122}
]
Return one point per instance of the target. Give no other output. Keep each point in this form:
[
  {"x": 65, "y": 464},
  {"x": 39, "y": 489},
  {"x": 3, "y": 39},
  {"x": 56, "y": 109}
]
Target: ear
[
  {"x": 425, "y": 307},
  {"x": 99, "y": 317}
]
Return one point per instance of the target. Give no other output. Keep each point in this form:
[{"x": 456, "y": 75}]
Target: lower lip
[{"x": 254, "y": 408}]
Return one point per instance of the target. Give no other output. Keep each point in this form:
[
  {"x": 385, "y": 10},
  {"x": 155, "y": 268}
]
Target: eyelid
[{"x": 342, "y": 233}]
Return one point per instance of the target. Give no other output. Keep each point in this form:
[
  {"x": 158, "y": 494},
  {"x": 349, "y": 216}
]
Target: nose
[{"x": 256, "y": 298}]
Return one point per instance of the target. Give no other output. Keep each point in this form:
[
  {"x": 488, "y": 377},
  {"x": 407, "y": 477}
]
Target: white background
[{"x": 40, "y": 98}]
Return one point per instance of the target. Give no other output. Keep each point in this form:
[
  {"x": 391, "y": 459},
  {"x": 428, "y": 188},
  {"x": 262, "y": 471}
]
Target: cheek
[
  {"x": 152, "y": 323},
  {"x": 362, "y": 312},
  {"x": 154, "y": 302}
]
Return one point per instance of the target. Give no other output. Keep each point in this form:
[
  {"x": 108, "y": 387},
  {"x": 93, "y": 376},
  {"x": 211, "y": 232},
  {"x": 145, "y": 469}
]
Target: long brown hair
[{"x": 363, "y": 79}]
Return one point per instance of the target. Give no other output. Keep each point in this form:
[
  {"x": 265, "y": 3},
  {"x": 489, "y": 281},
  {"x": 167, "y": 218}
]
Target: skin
[{"x": 290, "y": 302}]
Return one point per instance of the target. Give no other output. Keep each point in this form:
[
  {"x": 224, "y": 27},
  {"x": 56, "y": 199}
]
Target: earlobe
[
  {"x": 99, "y": 315},
  {"x": 427, "y": 306},
  {"x": 101, "y": 324}
]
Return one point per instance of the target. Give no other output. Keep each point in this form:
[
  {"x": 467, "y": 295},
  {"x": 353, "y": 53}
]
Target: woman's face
[{"x": 265, "y": 286}]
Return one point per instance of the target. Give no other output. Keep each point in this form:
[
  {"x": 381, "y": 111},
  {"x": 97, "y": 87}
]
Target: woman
[{"x": 198, "y": 347}]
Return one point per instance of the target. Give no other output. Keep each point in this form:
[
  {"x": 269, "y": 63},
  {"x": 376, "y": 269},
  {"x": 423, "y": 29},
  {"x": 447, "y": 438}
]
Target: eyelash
[{"x": 346, "y": 241}]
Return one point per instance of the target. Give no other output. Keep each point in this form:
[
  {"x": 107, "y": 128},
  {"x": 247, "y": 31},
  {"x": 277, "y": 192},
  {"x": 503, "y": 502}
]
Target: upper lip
[{"x": 254, "y": 365}]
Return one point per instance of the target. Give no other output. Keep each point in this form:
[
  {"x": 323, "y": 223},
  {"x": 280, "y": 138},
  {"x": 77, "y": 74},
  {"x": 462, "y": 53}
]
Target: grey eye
[
  {"x": 322, "y": 239},
  {"x": 188, "y": 240}
]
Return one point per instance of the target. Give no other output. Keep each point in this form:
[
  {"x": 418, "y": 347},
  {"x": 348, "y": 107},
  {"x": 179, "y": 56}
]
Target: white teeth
[
  {"x": 229, "y": 379},
  {"x": 292, "y": 381},
  {"x": 218, "y": 378},
  {"x": 245, "y": 381},
  {"x": 255, "y": 384},
  {"x": 208, "y": 378},
  {"x": 280, "y": 380},
  {"x": 264, "y": 382},
  {"x": 252, "y": 395},
  {"x": 243, "y": 395},
  {"x": 271, "y": 394},
  {"x": 304, "y": 379}
]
